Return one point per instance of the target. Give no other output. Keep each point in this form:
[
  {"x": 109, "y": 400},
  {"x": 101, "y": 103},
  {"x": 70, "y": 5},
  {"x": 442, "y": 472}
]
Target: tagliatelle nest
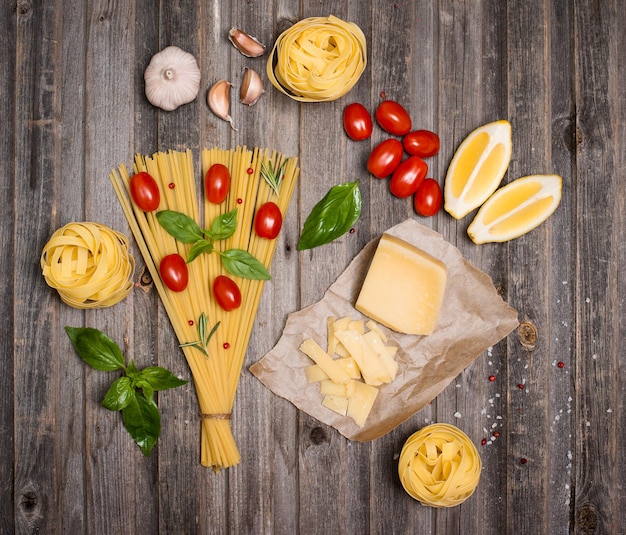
[
  {"x": 439, "y": 466},
  {"x": 89, "y": 265},
  {"x": 318, "y": 59}
]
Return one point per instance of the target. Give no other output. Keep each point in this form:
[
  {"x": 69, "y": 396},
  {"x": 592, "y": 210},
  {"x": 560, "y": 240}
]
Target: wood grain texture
[{"x": 73, "y": 106}]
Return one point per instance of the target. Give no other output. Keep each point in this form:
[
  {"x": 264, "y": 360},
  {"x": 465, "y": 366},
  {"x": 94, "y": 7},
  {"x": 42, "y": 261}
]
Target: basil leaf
[
  {"x": 242, "y": 264},
  {"x": 223, "y": 226},
  {"x": 96, "y": 348},
  {"x": 160, "y": 378},
  {"x": 331, "y": 217},
  {"x": 199, "y": 247},
  {"x": 119, "y": 395},
  {"x": 143, "y": 422},
  {"x": 179, "y": 225}
]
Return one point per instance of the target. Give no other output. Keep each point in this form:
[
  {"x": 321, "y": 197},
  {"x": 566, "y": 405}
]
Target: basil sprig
[
  {"x": 236, "y": 261},
  {"x": 133, "y": 393},
  {"x": 331, "y": 217}
]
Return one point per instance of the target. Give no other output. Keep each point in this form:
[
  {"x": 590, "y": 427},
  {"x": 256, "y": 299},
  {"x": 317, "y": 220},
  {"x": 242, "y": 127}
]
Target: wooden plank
[
  {"x": 599, "y": 228},
  {"x": 36, "y": 179},
  {"x": 264, "y": 486},
  {"x": 8, "y": 109},
  {"x": 528, "y": 365},
  {"x": 109, "y": 141},
  {"x": 179, "y": 459},
  {"x": 562, "y": 390},
  {"x": 472, "y": 69}
]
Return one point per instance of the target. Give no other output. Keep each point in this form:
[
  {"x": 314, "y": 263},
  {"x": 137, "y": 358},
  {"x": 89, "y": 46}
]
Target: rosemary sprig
[
  {"x": 203, "y": 344},
  {"x": 272, "y": 176}
]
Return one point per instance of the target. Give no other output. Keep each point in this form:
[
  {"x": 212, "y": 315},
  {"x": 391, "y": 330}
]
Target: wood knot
[
  {"x": 29, "y": 501},
  {"x": 587, "y": 519},
  {"x": 318, "y": 436},
  {"x": 145, "y": 278},
  {"x": 23, "y": 8},
  {"x": 528, "y": 335}
]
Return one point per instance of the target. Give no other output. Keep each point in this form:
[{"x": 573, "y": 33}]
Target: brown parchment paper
[{"x": 473, "y": 317}]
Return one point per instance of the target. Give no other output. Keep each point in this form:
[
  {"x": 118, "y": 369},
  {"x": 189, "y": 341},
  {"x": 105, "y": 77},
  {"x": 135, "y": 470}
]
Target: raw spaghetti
[
  {"x": 318, "y": 59},
  {"x": 439, "y": 466},
  {"x": 216, "y": 376},
  {"x": 88, "y": 264}
]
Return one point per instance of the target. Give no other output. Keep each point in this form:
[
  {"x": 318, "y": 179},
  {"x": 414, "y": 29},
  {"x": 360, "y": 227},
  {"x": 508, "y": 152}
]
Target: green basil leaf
[
  {"x": 331, "y": 217},
  {"x": 199, "y": 247},
  {"x": 119, "y": 395},
  {"x": 143, "y": 422},
  {"x": 242, "y": 264},
  {"x": 179, "y": 225},
  {"x": 223, "y": 226},
  {"x": 160, "y": 378},
  {"x": 96, "y": 348}
]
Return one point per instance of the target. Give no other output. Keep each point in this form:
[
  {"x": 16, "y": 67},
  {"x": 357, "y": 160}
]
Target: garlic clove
[
  {"x": 246, "y": 44},
  {"x": 251, "y": 87},
  {"x": 218, "y": 100}
]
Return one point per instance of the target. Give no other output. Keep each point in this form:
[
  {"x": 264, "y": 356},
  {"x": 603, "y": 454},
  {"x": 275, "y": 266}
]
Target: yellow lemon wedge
[
  {"x": 516, "y": 209},
  {"x": 477, "y": 168}
]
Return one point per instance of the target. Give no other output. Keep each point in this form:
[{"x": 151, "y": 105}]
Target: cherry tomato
[
  {"x": 217, "y": 183},
  {"x": 427, "y": 199},
  {"x": 423, "y": 143},
  {"x": 385, "y": 158},
  {"x": 174, "y": 273},
  {"x": 357, "y": 122},
  {"x": 268, "y": 220},
  {"x": 226, "y": 293},
  {"x": 145, "y": 191},
  {"x": 393, "y": 118},
  {"x": 408, "y": 177}
]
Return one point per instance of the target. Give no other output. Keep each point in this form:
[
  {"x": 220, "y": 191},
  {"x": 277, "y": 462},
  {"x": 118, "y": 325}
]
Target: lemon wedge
[
  {"x": 477, "y": 168},
  {"x": 516, "y": 209}
]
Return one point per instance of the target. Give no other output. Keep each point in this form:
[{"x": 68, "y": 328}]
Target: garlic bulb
[
  {"x": 172, "y": 78},
  {"x": 251, "y": 87},
  {"x": 218, "y": 100},
  {"x": 246, "y": 44}
]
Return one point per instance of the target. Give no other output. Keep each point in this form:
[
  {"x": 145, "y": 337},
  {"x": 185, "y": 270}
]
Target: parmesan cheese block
[{"x": 403, "y": 288}]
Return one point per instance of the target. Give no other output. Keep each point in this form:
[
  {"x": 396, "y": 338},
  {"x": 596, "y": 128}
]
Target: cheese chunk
[
  {"x": 360, "y": 402},
  {"x": 328, "y": 365},
  {"x": 403, "y": 288}
]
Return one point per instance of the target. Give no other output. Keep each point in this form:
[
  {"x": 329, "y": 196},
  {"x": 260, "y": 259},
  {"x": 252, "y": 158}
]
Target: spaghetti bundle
[
  {"x": 318, "y": 59},
  {"x": 439, "y": 466},
  {"x": 193, "y": 310}
]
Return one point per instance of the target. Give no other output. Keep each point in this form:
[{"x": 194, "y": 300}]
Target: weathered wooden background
[{"x": 72, "y": 106}]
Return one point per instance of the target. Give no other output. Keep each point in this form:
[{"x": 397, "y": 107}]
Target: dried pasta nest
[
  {"x": 318, "y": 59},
  {"x": 439, "y": 466},
  {"x": 88, "y": 264}
]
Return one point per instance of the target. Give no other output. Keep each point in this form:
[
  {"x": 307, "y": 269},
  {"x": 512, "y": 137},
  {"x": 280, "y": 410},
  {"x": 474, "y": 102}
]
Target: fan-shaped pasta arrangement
[
  {"x": 439, "y": 466},
  {"x": 88, "y": 264},
  {"x": 318, "y": 59},
  {"x": 214, "y": 340}
]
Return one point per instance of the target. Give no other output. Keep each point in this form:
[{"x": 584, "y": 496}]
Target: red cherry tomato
[
  {"x": 217, "y": 183},
  {"x": 423, "y": 143},
  {"x": 145, "y": 191},
  {"x": 174, "y": 273},
  {"x": 385, "y": 158},
  {"x": 268, "y": 220},
  {"x": 393, "y": 118},
  {"x": 427, "y": 199},
  {"x": 226, "y": 293},
  {"x": 408, "y": 177},
  {"x": 357, "y": 122}
]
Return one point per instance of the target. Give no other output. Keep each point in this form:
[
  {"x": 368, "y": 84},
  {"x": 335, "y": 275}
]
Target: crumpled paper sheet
[{"x": 473, "y": 318}]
